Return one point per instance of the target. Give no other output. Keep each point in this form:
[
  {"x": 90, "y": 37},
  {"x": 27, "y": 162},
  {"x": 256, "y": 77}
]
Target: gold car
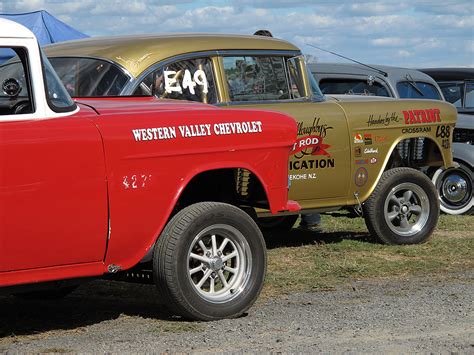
[{"x": 350, "y": 151}]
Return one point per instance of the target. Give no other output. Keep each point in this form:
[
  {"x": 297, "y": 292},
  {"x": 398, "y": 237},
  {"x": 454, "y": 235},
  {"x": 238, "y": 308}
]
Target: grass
[{"x": 299, "y": 261}]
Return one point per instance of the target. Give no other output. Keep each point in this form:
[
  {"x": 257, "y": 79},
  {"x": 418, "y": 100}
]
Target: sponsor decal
[
  {"x": 357, "y": 152},
  {"x": 189, "y": 81},
  {"x": 373, "y": 160},
  {"x": 362, "y": 161},
  {"x": 380, "y": 139},
  {"x": 361, "y": 176},
  {"x": 196, "y": 130},
  {"x": 312, "y": 164},
  {"x": 383, "y": 120},
  {"x": 358, "y": 138},
  {"x": 443, "y": 132},
  {"x": 371, "y": 151},
  {"x": 302, "y": 176},
  {"x": 408, "y": 130},
  {"x": 313, "y": 143},
  {"x": 430, "y": 115},
  {"x": 315, "y": 128},
  {"x": 367, "y": 138}
]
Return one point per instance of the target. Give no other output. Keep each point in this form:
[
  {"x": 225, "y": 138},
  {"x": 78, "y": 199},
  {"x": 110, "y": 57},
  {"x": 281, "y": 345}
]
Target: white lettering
[
  {"x": 200, "y": 78},
  {"x": 188, "y": 82},
  {"x": 171, "y": 85}
]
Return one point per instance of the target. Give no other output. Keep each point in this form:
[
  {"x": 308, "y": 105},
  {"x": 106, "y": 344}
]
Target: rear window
[
  {"x": 86, "y": 77},
  {"x": 417, "y": 90},
  {"x": 352, "y": 87}
]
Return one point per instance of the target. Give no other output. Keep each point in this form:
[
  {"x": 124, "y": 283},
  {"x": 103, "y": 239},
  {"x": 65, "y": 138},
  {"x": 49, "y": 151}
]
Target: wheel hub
[
  {"x": 455, "y": 188},
  {"x": 216, "y": 263},
  {"x": 404, "y": 209}
]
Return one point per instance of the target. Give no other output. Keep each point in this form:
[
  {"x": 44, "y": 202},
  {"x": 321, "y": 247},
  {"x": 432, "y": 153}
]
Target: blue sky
[{"x": 416, "y": 33}]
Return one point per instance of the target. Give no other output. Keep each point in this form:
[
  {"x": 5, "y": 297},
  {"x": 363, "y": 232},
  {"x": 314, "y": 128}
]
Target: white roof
[{"x": 12, "y": 29}]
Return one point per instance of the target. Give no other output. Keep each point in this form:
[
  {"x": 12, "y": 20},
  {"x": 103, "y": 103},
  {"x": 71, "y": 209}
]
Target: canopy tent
[{"x": 47, "y": 29}]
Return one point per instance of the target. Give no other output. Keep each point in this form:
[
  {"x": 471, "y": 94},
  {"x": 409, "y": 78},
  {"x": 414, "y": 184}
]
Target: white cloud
[{"x": 385, "y": 32}]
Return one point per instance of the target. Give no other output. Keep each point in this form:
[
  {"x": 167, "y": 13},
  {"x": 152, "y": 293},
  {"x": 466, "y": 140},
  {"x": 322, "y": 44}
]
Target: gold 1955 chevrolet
[{"x": 366, "y": 152}]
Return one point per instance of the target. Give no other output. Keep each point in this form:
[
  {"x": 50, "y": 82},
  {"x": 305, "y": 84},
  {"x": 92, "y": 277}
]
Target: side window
[
  {"x": 190, "y": 79},
  {"x": 256, "y": 78},
  {"x": 296, "y": 78},
  {"x": 417, "y": 90},
  {"x": 352, "y": 87},
  {"x": 85, "y": 77},
  {"x": 15, "y": 92},
  {"x": 453, "y": 92},
  {"x": 469, "y": 102}
]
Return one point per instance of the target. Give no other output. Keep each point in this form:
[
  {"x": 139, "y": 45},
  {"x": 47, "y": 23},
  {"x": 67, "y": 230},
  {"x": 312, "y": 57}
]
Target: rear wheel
[
  {"x": 403, "y": 209},
  {"x": 210, "y": 262},
  {"x": 454, "y": 187}
]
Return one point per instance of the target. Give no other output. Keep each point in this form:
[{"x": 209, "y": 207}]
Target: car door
[
  {"x": 320, "y": 163},
  {"x": 53, "y": 193}
]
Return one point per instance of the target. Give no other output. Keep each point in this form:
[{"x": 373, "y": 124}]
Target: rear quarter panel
[{"x": 377, "y": 126}]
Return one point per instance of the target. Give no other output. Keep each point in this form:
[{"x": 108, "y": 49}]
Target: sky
[{"x": 416, "y": 33}]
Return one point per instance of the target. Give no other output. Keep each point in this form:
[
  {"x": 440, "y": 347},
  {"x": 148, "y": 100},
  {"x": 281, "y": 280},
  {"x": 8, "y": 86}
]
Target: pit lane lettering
[
  {"x": 430, "y": 115},
  {"x": 189, "y": 81},
  {"x": 381, "y": 120},
  {"x": 312, "y": 164},
  {"x": 196, "y": 130}
]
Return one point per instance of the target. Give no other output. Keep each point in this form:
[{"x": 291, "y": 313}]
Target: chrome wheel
[
  {"x": 454, "y": 187},
  {"x": 219, "y": 263},
  {"x": 406, "y": 209}
]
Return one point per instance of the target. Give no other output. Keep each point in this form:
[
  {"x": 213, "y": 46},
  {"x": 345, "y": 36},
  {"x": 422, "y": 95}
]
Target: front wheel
[
  {"x": 210, "y": 262},
  {"x": 403, "y": 208},
  {"x": 454, "y": 187}
]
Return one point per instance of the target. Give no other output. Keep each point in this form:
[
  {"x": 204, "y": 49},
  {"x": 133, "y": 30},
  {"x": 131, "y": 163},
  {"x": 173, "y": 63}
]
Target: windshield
[
  {"x": 417, "y": 90},
  {"x": 89, "y": 77},
  {"x": 56, "y": 95}
]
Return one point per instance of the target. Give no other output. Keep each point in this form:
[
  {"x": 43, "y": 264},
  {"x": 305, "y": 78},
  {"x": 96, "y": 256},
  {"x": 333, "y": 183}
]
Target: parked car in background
[
  {"x": 345, "y": 153},
  {"x": 455, "y": 186},
  {"x": 457, "y": 85}
]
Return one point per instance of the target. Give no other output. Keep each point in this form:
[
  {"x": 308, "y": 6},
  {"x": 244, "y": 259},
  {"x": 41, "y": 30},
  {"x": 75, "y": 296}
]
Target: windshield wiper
[{"x": 413, "y": 84}]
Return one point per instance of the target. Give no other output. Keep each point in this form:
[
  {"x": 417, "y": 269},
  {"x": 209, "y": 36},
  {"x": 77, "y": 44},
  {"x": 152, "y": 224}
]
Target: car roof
[
  {"x": 395, "y": 74},
  {"x": 450, "y": 74},
  {"x": 137, "y": 52},
  {"x": 12, "y": 29}
]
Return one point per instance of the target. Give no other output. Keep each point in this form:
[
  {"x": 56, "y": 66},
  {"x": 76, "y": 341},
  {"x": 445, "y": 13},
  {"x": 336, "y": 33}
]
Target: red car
[{"x": 99, "y": 187}]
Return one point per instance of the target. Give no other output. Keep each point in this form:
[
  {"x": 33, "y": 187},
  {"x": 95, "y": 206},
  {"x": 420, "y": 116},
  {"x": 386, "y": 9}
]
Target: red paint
[
  {"x": 62, "y": 179},
  {"x": 422, "y": 116}
]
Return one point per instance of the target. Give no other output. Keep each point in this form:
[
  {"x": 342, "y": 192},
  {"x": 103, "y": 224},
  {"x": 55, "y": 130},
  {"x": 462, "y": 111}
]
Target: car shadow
[
  {"x": 92, "y": 303},
  {"x": 295, "y": 238}
]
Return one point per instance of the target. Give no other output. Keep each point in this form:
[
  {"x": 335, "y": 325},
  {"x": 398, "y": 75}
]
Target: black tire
[
  {"x": 174, "y": 261},
  {"x": 454, "y": 187},
  {"x": 47, "y": 294},
  {"x": 403, "y": 208},
  {"x": 277, "y": 224}
]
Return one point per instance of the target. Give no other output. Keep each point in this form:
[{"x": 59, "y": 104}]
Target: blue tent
[{"x": 47, "y": 28}]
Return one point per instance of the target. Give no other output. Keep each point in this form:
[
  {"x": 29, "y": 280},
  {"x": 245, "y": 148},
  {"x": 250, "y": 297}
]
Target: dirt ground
[{"x": 422, "y": 314}]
